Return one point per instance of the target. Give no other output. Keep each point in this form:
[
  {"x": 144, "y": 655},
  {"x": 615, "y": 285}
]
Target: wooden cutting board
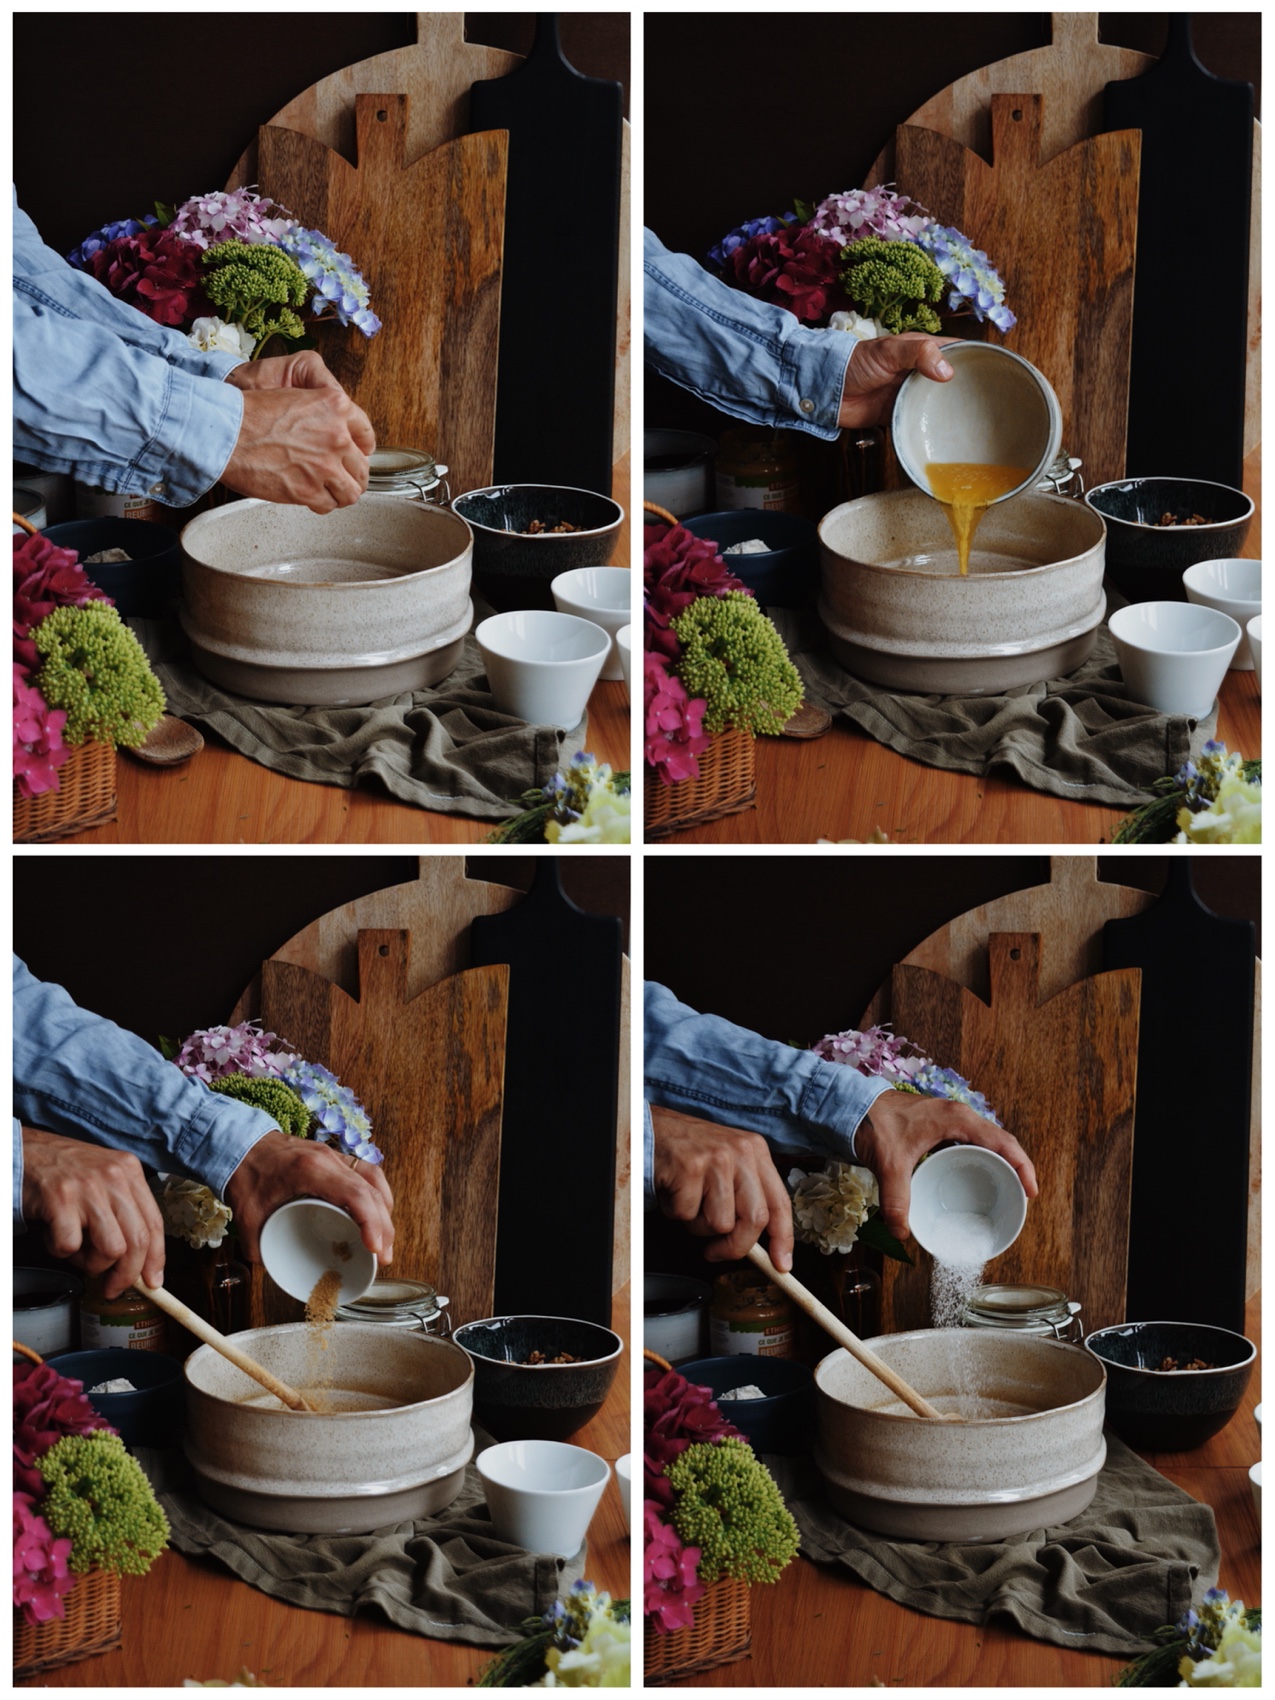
[
  {"x": 558, "y": 1168},
  {"x": 1197, "y": 149},
  {"x": 436, "y": 909},
  {"x": 1192, "y": 961},
  {"x": 427, "y": 236},
  {"x": 1061, "y": 1073},
  {"x": 1062, "y": 232},
  {"x": 429, "y": 1070},
  {"x": 436, "y": 73},
  {"x": 1071, "y": 74}
]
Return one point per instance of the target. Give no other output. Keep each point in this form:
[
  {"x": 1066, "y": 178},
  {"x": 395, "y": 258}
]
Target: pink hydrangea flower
[
  {"x": 675, "y": 735},
  {"x": 244, "y": 1049},
  {"x": 46, "y": 1407},
  {"x": 38, "y": 750},
  {"x": 845, "y": 218},
  {"x": 40, "y": 1573},
  {"x": 874, "y": 1051},
  {"x": 670, "y": 1579},
  {"x": 231, "y": 215}
]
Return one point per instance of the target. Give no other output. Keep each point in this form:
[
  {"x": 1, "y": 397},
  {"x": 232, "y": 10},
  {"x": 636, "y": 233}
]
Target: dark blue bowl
[
  {"x": 515, "y": 1400},
  {"x": 781, "y": 1422},
  {"x": 1145, "y": 560},
  {"x": 515, "y": 570},
  {"x": 149, "y": 582},
  {"x": 153, "y": 1414},
  {"x": 1171, "y": 1410},
  {"x": 787, "y": 576}
]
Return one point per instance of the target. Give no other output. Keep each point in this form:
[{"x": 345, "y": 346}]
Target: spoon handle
[
  {"x": 208, "y": 1334},
  {"x": 832, "y": 1324}
]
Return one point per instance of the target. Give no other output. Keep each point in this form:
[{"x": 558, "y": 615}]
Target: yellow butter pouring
[{"x": 965, "y": 488}]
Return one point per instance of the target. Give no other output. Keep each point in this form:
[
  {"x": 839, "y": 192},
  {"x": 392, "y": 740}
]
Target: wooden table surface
[
  {"x": 221, "y": 797},
  {"x": 845, "y": 784},
  {"x": 819, "y": 1626},
  {"x": 192, "y": 1618}
]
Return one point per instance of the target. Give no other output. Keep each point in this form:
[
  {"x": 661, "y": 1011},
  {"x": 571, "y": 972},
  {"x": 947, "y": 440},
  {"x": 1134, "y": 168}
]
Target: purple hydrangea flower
[
  {"x": 81, "y": 256},
  {"x": 339, "y": 1118},
  {"x": 339, "y": 289},
  {"x": 976, "y": 285},
  {"x": 718, "y": 256}
]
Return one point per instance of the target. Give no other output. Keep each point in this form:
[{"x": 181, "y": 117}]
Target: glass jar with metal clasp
[
  {"x": 410, "y": 473},
  {"x": 395, "y": 1303},
  {"x": 1025, "y": 1309},
  {"x": 1063, "y": 476}
]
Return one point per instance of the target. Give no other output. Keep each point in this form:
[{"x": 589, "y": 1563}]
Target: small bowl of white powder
[{"x": 968, "y": 1206}]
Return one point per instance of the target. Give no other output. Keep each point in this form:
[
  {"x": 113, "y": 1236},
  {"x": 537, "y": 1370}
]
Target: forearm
[
  {"x": 745, "y": 357},
  {"x": 709, "y": 1067}
]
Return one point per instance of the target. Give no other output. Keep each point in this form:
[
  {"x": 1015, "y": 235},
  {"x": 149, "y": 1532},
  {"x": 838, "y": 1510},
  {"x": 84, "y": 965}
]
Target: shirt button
[
  {"x": 806, "y": 405},
  {"x": 157, "y": 489}
]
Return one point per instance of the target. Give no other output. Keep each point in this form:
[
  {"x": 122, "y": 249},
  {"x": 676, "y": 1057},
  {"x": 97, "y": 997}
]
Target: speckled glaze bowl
[
  {"x": 514, "y": 570},
  {"x": 326, "y": 610},
  {"x": 514, "y": 1400},
  {"x": 979, "y": 1480},
  {"x": 1171, "y": 1410},
  {"x": 898, "y": 612},
  {"x": 1145, "y": 560},
  {"x": 345, "y": 1473}
]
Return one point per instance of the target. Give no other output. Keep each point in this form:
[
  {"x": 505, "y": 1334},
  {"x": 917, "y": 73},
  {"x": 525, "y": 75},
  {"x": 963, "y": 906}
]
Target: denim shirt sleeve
[
  {"x": 103, "y": 393},
  {"x": 743, "y": 356},
  {"x": 78, "y": 1074},
  {"x": 709, "y": 1067}
]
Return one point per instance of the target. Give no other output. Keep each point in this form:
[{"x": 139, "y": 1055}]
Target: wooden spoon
[
  {"x": 208, "y": 1334},
  {"x": 805, "y": 1300}
]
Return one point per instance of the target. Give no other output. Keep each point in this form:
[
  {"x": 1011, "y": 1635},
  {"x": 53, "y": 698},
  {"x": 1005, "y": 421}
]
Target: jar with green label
[{"x": 130, "y": 1320}]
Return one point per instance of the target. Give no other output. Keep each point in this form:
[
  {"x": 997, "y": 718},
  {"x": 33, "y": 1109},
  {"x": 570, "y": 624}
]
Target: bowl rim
[
  {"x": 972, "y": 578},
  {"x": 541, "y": 1492},
  {"x": 1204, "y": 609},
  {"x": 1137, "y": 1369},
  {"x": 486, "y": 644},
  {"x": 529, "y": 1316},
  {"x": 1163, "y": 530},
  {"x": 340, "y": 586},
  {"x": 556, "y": 590},
  {"x": 538, "y": 536},
  {"x": 1207, "y": 590}
]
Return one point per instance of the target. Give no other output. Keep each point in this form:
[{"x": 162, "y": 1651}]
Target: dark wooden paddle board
[
  {"x": 556, "y": 387},
  {"x": 557, "y": 1163},
  {"x": 1186, "y": 416},
  {"x": 1190, "y": 1196}
]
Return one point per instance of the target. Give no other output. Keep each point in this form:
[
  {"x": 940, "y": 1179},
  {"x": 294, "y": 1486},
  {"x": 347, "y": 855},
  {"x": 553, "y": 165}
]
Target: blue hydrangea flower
[
  {"x": 718, "y": 256},
  {"x": 340, "y": 291},
  {"x": 936, "y": 1082},
  {"x": 339, "y": 1118},
  {"x": 976, "y": 285},
  {"x": 80, "y": 257}
]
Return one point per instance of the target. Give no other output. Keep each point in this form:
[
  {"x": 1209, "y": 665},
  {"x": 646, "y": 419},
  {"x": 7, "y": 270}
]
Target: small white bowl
[
  {"x": 1233, "y": 587},
  {"x": 1253, "y": 632},
  {"x": 966, "y": 1197},
  {"x": 603, "y": 595},
  {"x": 1255, "y": 1483},
  {"x": 624, "y": 1475},
  {"x": 542, "y": 1493},
  {"x": 624, "y": 643},
  {"x": 1174, "y": 655},
  {"x": 541, "y": 666},
  {"x": 303, "y": 1239}
]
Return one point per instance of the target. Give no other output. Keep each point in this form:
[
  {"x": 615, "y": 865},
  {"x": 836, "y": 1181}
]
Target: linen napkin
[
  {"x": 1104, "y": 1582},
  {"x": 1079, "y": 737}
]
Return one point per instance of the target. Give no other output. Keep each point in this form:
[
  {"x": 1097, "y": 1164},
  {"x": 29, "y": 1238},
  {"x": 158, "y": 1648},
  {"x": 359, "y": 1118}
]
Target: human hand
[
  {"x": 902, "y": 1126},
  {"x": 877, "y": 368},
  {"x": 303, "y": 371},
  {"x": 722, "y": 1182},
  {"x": 97, "y": 1210},
  {"x": 280, "y": 1167},
  {"x": 305, "y": 443}
]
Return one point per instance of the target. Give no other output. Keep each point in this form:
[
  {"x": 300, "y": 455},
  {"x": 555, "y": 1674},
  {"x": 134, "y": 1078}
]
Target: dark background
[
  {"x": 116, "y": 110},
  {"x": 796, "y": 946},
  {"x": 166, "y": 944},
  {"x": 746, "y": 111}
]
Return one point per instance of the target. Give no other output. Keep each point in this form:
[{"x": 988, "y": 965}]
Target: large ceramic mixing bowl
[
  {"x": 325, "y": 610},
  {"x": 342, "y": 1472},
  {"x": 1027, "y": 1458},
  {"x": 899, "y": 613}
]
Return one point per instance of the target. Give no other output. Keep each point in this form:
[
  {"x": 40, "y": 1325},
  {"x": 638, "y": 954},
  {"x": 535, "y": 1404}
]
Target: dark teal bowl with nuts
[
  {"x": 1158, "y": 527},
  {"x": 1161, "y": 1409},
  {"x": 514, "y": 565},
  {"x": 520, "y": 1393}
]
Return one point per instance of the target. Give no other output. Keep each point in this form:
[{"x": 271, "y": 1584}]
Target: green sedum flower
[
  {"x": 95, "y": 669},
  {"x": 893, "y": 282},
  {"x": 99, "y": 1498},
  {"x": 730, "y": 1508},
  {"x": 245, "y": 281},
  {"x": 735, "y": 659},
  {"x": 272, "y": 1096}
]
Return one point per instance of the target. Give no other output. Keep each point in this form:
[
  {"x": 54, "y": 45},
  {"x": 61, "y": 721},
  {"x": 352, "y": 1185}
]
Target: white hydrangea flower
[
  {"x": 193, "y": 1212},
  {"x": 830, "y": 1206},
  {"x": 216, "y": 336},
  {"x": 867, "y": 330}
]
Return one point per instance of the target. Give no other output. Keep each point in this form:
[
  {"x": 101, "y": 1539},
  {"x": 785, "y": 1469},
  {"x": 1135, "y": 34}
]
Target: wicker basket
[
  {"x": 721, "y": 1633},
  {"x": 91, "y": 1624},
  {"x": 85, "y": 798}
]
